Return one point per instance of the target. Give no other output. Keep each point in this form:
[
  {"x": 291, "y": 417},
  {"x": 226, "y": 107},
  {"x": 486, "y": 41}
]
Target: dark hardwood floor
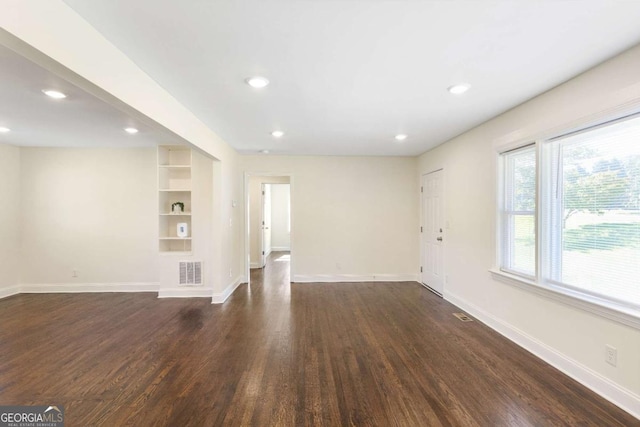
[{"x": 379, "y": 354}]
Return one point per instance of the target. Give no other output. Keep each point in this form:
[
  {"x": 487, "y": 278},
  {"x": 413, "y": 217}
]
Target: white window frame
[
  {"x": 505, "y": 242},
  {"x": 546, "y": 240}
]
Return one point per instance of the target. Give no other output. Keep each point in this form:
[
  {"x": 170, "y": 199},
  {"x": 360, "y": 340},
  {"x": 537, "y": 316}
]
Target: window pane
[
  {"x": 524, "y": 164},
  {"x": 600, "y": 212},
  {"x": 524, "y": 247},
  {"x": 519, "y": 231}
]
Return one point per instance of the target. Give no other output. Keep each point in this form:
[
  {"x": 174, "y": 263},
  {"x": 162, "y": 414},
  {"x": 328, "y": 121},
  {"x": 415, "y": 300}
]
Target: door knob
[{"x": 439, "y": 239}]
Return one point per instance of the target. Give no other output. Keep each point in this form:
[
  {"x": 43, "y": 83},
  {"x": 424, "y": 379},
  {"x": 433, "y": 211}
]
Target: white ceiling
[
  {"x": 80, "y": 120},
  {"x": 346, "y": 75}
]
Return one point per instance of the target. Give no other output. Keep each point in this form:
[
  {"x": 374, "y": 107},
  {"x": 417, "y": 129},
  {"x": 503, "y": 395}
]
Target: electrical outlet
[
  {"x": 611, "y": 355},
  {"x": 74, "y": 273}
]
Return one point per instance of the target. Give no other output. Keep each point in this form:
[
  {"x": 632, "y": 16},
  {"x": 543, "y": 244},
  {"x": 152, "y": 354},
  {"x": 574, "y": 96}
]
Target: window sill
[{"x": 606, "y": 309}]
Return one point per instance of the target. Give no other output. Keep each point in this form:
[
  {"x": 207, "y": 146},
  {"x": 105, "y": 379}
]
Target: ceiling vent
[{"x": 190, "y": 273}]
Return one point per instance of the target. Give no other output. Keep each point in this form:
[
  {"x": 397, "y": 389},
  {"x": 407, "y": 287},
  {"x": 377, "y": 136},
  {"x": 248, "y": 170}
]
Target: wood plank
[{"x": 318, "y": 354}]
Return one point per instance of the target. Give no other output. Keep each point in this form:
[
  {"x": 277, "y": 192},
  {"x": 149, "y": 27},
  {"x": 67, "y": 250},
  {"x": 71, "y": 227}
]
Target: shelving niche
[{"x": 174, "y": 185}]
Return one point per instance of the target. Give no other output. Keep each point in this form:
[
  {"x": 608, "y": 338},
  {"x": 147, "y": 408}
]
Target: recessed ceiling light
[
  {"x": 131, "y": 130},
  {"x": 257, "y": 82},
  {"x": 264, "y": 151},
  {"x": 4, "y": 129},
  {"x": 459, "y": 89},
  {"x": 54, "y": 94},
  {"x": 277, "y": 133},
  {"x": 401, "y": 137}
]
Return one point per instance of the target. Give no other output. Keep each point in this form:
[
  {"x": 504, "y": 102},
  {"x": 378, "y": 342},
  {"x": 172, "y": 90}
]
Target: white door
[
  {"x": 432, "y": 231},
  {"x": 266, "y": 222}
]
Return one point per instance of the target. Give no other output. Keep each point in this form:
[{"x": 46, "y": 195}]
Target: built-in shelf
[
  {"x": 174, "y": 185},
  {"x": 175, "y": 246}
]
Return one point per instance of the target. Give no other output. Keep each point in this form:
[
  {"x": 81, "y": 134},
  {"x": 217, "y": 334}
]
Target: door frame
[
  {"x": 263, "y": 256},
  {"x": 444, "y": 234},
  {"x": 247, "y": 218}
]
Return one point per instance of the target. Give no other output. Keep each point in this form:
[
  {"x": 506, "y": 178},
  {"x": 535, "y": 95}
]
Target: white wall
[
  {"x": 95, "y": 65},
  {"x": 280, "y": 239},
  {"x": 228, "y": 213},
  {"x": 569, "y": 337},
  {"x": 9, "y": 220},
  {"x": 95, "y": 211},
  {"x": 352, "y": 218},
  {"x": 90, "y": 210}
]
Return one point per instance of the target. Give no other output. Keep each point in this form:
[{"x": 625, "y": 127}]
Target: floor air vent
[
  {"x": 463, "y": 317},
  {"x": 190, "y": 273}
]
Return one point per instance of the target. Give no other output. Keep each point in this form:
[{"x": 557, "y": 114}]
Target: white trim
[
  {"x": 185, "y": 292},
  {"x": 343, "y": 278},
  {"x": 228, "y": 291},
  {"x": 53, "y": 288},
  {"x": 603, "y": 308},
  {"x": 279, "y": 248},
  {"x": 255, "y": 265},
  {"x": 9, "y": 291},
  {"x": 618, "y": 395}
]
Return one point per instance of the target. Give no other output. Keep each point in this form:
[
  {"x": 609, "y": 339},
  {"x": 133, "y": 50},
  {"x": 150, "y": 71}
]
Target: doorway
[
  {"x": 432, "y": 227},
  {"x": 268, "y": 219},
  {"x": 276, "y": 220}
]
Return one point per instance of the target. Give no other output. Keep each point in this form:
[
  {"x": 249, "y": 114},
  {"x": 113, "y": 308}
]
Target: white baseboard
[
  {"x": 185, "y": 292},
  {"x": 280, "y": 248},
  {"x": 341, "y": 278},
  {"x": 224, "y": 295},
  {"x": 52, "y": 288},
  {"x": 255, "y": 265},
  {"x": 9, "y": 290},
  {"x": 620, "y": 396}
]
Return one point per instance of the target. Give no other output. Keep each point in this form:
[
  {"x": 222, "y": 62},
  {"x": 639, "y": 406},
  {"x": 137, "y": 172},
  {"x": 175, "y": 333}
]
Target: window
[
  {"x": 587, "y": 222},
  {"x": 518, "y": 214}
]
